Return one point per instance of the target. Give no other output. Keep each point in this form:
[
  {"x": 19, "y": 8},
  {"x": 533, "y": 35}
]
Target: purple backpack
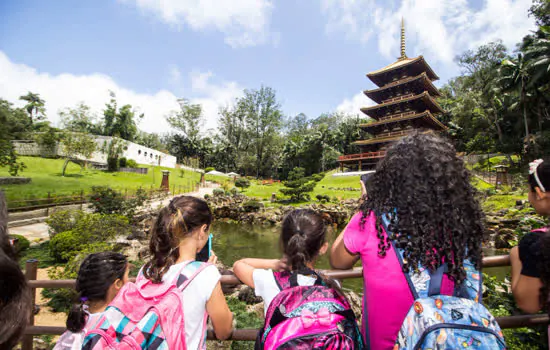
[{"x": 308, "y": 317}]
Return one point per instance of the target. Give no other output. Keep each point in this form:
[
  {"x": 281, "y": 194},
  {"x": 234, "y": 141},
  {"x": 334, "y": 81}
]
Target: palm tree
[
  {"x": 34, "y": 104},
  {"x": 515, "y": 76}
]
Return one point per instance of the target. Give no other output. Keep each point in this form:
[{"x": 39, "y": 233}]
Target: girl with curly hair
[
  {"x": 531, "y": 258},
  {"x": 425, "y": 189}
]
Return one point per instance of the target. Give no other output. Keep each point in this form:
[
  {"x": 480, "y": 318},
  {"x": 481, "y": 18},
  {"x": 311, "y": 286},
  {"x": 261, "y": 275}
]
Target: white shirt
[
  {"x": 266, "y": 287},
  {"x": 73, "y": 341},
  {"x": 195, "y": 296}
]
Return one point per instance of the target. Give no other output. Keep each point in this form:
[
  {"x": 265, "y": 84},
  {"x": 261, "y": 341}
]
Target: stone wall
[{"x": 14, "y": 180}]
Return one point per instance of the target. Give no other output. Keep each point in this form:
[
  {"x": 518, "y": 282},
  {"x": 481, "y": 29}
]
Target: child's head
[
  {"x": 100, "y": 277},
  {"x": 15, "y": 302},
  {"x": 539, "y": 181},
  {"x": 185, "y": 218},
  {"x": 303, "y": 237},
  {"x": 426, "y": 184}
]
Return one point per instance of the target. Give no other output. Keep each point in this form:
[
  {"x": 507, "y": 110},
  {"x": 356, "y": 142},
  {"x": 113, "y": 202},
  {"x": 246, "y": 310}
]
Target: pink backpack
[
  {"x": 308, "y": 317},
  {"x": 145, "y": 315}
]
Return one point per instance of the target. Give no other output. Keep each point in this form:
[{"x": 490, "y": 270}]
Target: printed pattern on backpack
[
  {"x": 308, "y": 317},
  {"x": 437, "y": 321},
  {"x": 145, "y": 315}
]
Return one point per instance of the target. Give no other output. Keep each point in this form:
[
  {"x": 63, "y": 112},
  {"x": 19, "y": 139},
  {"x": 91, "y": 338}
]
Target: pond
[{"x": 236, "y": 241}]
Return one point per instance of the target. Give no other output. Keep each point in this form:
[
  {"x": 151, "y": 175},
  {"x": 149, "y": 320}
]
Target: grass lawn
[
  {"x": 46, "y": 177},
  {"x": 265, "y": 191}
]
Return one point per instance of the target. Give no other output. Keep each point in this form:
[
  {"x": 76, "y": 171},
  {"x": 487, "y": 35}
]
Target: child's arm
[
  {"x": 244, "y": 268},
  {"x": 221, "y": 316},
  {"x": 340, "y": 257}
]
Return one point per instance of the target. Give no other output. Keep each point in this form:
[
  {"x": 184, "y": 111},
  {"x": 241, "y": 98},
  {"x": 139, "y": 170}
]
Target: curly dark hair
[{"x": 434, "y": 215}]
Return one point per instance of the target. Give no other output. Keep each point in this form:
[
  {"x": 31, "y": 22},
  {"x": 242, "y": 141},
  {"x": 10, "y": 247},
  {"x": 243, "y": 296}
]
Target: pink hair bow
[
  {"x": 309, "y": 318},
  {"x": 533, "y": 171}
]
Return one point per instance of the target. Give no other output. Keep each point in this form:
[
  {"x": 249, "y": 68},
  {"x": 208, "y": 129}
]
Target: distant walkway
[{"x": 38, "y": 231}]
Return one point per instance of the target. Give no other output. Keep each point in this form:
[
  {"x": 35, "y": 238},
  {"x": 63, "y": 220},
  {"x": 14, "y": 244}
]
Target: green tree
[
  {"x": 297, "y": 186},
  {"x": 120, "y": 122},
  {"x": 188, "y": 120},
  {"x": 34, "y": 107},
  {"x": 113, "y": 150},
  {"x": 79, "y": 119},
  {"x": 76, "y": 146}
]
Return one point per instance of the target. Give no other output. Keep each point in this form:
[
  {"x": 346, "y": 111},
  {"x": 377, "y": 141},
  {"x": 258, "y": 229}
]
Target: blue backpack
[{"x": 437, "y": 321}]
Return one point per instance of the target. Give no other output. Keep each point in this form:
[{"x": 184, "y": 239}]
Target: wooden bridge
[{"x": 250, "y": 334}]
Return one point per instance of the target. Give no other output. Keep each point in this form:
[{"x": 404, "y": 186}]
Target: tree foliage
[
  {"x": 34, "y": 107},
  {"x": 121, "y": 122},
  {"x": 298, "y": 185}
]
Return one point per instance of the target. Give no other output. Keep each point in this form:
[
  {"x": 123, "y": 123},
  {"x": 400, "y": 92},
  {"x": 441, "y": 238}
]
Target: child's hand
[
  {"x": 281, "y": 265},
  {"x": 213, "y": 259}
]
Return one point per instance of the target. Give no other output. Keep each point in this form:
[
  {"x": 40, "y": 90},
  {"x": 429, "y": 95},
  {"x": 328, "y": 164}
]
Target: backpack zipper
[{"x": 432, "y": 328}]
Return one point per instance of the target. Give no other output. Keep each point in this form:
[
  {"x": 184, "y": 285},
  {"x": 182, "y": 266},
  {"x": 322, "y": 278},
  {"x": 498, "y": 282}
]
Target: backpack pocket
[{"x": 453, "y": 336}]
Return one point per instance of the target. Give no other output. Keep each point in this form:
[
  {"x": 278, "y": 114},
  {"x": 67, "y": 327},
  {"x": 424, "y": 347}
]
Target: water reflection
[{"x": 235, "y": 241}]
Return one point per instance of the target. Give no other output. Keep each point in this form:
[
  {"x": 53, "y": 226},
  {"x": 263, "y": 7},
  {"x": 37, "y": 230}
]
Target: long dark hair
[
  {"x": 303, "y": 234},
  {"x": 97, "y": 273},
  {"x": 426, "y": 187},
  {"x": 15, "y": 301},
  {"x": 182, "y": 216}
]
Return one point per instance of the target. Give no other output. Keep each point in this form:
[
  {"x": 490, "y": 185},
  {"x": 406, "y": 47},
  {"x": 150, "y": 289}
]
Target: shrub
[
  {"x": 234, "y": 191},
  {"x": 297, "y": 185},
  {"x": 317, "y": 177},
  {"x": 323, "y": 197},
  {"x": 92, "y": 226},
  {"x": 22, "y": 243},
  {"x": 122, "y": 162},
  {"x": 206, "y": 196},
  {"x": 209, "y": 169},
  {"x": 242, "y": 183},
  {"x": 130, "y": 163},
  {"x": 252, "y": 206},
  {"x": 218, "y": 192},
  {"x": 112, "y": 164},
  {"x": 66, "y": 245},
  {"x": 105, "y": 200}
]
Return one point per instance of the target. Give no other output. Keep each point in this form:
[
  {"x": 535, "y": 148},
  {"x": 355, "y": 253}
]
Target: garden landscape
[{"x": 92, "y": 176}]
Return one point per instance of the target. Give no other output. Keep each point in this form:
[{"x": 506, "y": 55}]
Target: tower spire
[{"x": 403, "y": 54}]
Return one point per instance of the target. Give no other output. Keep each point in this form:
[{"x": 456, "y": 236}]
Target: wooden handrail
[{"x": 250, "y": 334}]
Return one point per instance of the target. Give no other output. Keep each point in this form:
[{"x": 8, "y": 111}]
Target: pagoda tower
[{"x": 405, "y": 100}]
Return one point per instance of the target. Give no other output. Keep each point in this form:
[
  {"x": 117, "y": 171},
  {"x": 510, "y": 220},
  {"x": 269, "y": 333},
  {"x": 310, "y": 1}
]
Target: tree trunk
[
  {"x": 65, "y": 167},
  {"x": 524, "y": 111}
]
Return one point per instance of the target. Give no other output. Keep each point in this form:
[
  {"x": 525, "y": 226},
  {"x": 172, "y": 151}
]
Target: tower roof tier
[
  {"x": 378, "y": 140},
  {"x": 403, "y": 104},
  {"x": 402, "y": 68},
  {"x": 418, "y": 120},
  {"x": 416, "y": 84}
]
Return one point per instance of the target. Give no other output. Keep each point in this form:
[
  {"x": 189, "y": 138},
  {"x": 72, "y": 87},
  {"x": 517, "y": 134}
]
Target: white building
[{"x": 140, "y": 154}]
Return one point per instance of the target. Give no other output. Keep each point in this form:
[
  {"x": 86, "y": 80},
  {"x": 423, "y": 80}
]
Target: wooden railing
[
  {"x": 250, "y": 334},
  {"x": 367, "y": 155},
  {"x": 398, "y": 98},
  {"x": 391, "y": 134}
]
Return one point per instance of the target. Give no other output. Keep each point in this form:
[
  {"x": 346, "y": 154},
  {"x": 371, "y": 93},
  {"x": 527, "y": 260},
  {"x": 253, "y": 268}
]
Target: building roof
[
  {"x": 429, "y": 102},
  {"x": 377, "y": 94},
  {"x": 426, "y": 116},
  {"x": 377, "y": 76},
  {"x": 377, "y": 140}
]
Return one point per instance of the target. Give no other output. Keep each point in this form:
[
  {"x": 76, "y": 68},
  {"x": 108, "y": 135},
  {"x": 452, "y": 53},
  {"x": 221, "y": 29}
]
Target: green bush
[
  {"x": 130, "y": 163},
  {"x": 218, "y": 192},
  {"x": 66, "y": 245},
  {"x": 209, "y": 169},
  {"x": 242, "y": 183},
  {"x": 112, "y": 164},
  {"x": 234, "y": 191},
  {"x": 99, "y": 227},
  {"x": 252, "y": 206},
  {"x": 22, "y": 243},
  {"x": 122, "y": 162},
  {"x": 244, "y": 319},
  {"x": 317, "y": 177},
  {"x": 206, "y": 196},
  {"x": 323, "y": 197},
  {"x": 105, "y": 200}
]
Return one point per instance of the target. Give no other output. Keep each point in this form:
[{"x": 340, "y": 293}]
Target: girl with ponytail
[
  {"x": 303, "y": 239},
  {"x": 180, "y": 231},
  {"x": 100, "y": 277},
  {"x": 531, "y": 258}
]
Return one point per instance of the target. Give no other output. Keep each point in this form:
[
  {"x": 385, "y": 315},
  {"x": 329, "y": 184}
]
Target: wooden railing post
[{"x": 31, "y": 269}]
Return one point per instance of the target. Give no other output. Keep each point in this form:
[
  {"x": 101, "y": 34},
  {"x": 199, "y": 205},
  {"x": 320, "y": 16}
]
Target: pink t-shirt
[{"x": 387, "y": 297}]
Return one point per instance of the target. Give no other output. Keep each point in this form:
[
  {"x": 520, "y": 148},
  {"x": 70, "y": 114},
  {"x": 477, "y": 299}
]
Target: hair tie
[
  {"x": 533, "y": 166},
  {"x": 83, "y": 299}
]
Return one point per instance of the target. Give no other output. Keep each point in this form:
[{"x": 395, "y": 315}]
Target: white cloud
[
  {"x": 353, "y": 105},
  {"x": 66, "y": 90},
  {"x": 244, "y": 22},
  {"x": 439, "y": 29}
]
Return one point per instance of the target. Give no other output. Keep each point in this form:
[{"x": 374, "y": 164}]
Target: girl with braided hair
[
  {"x": 100, "y": 278},
  {"x": 424, "y": 188},
  {"x": 531, "y": 258}
]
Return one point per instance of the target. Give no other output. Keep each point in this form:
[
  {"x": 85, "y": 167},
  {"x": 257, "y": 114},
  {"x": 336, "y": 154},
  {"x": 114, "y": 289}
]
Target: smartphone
[{"x": 204, "y": 254}]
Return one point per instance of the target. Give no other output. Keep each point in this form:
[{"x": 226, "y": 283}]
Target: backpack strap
[
  {"x": 279, "y": 317},
  {"x": 288, "y": 279}
]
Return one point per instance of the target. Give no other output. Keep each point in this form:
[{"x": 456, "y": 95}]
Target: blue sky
[{"x": 314, "y": 53}]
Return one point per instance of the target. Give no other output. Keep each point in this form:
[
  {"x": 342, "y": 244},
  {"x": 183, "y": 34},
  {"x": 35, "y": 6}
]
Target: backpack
[
  {"x": 145, "y": 315},
  {"x": 308, "y": 317},
  {"x": 437, "y": 321}
]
